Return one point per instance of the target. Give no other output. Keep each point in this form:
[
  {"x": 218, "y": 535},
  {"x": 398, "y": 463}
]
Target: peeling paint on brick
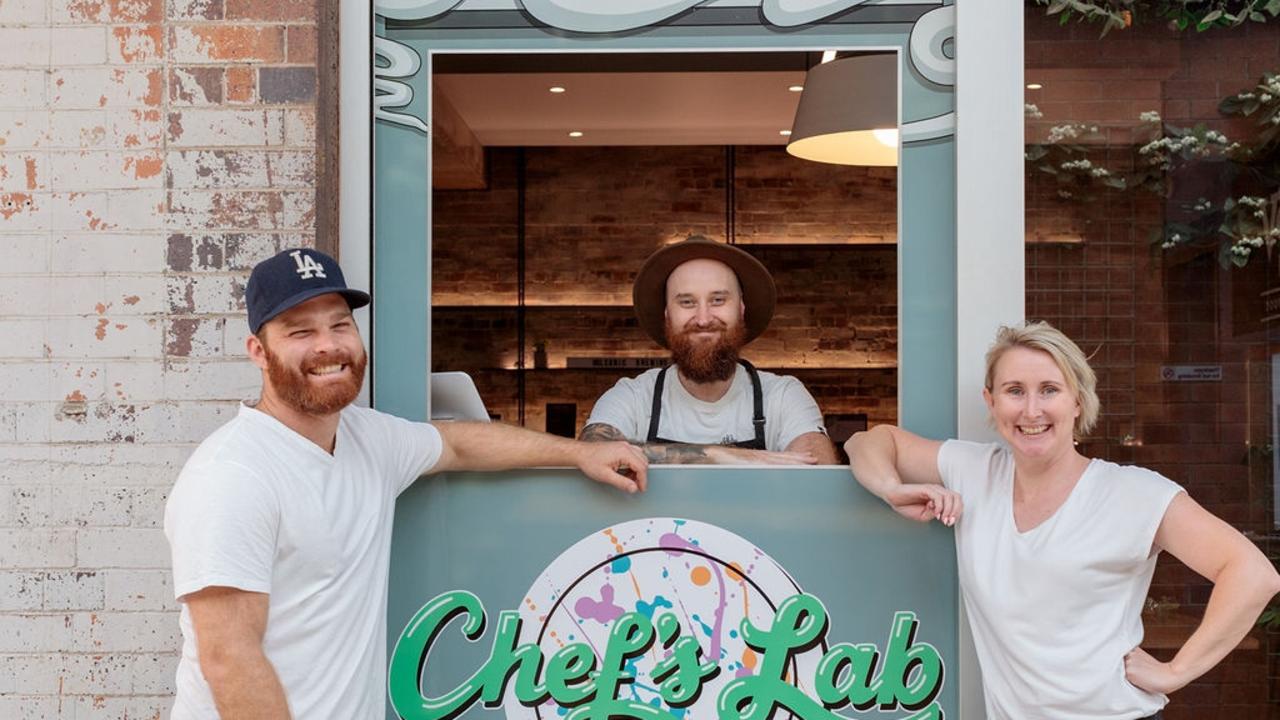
[
  {"x": 85, "y": 11},
  {"x": 144, "y": 167},
  {"x": 178, "y": 258},
  {"x": 76, "y": 410},
  {"x": 155, "y": 88},
  {"x": 175, "y": 126},
  {"x": 158, "y": 127},
  {"x": 237, "y": 291},
  {"x": 13, "y": 203},
  {"x": 209, "y": 254},
  {"x": 287, "y": 84},
  {"x": 195, "y": 85},
  {"x": 195, "y": 9},
  {"x": 182, "y": 296},
  {"x": 137, "y": 11},
  {"x": 138, "y": 45},
  {"x": 227, "y": 43},
  {"x": 244, "y": 251},
  {"x": 181, "y": 331}
]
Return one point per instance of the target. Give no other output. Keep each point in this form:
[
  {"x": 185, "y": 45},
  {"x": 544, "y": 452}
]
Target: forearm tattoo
[
  {"x": 600, "y": 432},
  {"x": 656, "y": 453},
  {"x": 676, "y": 454}
]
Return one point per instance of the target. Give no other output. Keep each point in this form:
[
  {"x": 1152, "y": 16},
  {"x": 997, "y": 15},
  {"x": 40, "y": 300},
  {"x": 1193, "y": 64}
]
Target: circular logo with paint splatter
[{"x": 708, "y": 578}]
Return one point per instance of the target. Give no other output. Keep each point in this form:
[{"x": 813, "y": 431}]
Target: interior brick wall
[{"x": 592, "y": 217}]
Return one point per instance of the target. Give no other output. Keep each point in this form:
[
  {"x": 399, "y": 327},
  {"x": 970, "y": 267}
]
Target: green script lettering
[{"x": 910, "y": 677}]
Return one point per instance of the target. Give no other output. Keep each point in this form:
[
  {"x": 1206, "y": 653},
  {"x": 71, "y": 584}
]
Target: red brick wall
[{"x": 1141, "y": 309}]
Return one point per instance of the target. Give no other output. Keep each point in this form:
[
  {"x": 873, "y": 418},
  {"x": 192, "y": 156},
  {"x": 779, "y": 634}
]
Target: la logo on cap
[{"x": 307, "y": 265}]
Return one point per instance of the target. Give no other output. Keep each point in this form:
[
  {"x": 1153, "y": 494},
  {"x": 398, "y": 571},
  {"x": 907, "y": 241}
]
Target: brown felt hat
[{"x": 649, "y": 294}]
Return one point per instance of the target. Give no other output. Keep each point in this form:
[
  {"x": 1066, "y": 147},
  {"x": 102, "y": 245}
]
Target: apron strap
[
  {"x": 655, "y": 413},
  {"x": 757, "y": 400}
]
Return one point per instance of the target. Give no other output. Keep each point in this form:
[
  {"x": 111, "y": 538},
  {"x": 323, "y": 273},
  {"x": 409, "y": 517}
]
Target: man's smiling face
[{"x": 313, "y": 355}]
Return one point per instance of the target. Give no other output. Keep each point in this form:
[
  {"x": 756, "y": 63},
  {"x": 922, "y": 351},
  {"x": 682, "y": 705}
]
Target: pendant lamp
[{"x": 848, "y": 112}]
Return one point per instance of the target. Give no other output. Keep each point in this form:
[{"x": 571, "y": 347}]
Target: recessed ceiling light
[
  {"x": 784, "y": 132},
  {"x": 796, "y": 88},
  {"x": 1034, "y": 86},
  {"x": 575, "y": 133},
  {"x": 555, "y": 89}
]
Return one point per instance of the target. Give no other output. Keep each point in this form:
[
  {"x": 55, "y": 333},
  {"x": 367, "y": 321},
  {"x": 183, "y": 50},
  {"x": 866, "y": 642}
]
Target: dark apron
[{"x": 757, "y": 418}]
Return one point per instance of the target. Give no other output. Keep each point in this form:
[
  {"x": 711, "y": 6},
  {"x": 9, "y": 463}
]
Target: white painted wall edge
[
  {"x": 355, "y": 139},
  {"x": 990, "y": 226},
  {"x": 990, "y": 193}
]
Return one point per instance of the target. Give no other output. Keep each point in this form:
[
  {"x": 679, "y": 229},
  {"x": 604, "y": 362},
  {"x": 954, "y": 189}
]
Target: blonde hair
[{"x": 1044, "y": 337}]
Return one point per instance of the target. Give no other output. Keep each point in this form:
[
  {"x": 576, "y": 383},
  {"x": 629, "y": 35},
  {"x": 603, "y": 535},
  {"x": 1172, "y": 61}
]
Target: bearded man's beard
[
  {"x": 295, "y": 389},
  {"x": 704, "y": 362}
]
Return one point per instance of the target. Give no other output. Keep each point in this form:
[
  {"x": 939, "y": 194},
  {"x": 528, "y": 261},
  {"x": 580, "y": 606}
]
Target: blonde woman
[{"x": 1056, "y": 550}]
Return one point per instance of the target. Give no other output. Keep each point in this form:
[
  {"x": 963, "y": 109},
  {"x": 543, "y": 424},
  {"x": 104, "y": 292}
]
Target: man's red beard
[
  {"x": 294, "y": 387},
  {"x": 702, "y": 361}
]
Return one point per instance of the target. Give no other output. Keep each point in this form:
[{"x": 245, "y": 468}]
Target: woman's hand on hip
[
  {"x": 1148, "y": 673},
  {"x": 925, "y": 502}
]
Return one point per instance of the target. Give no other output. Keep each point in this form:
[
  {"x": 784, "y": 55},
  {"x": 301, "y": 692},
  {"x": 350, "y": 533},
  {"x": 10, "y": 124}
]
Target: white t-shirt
[
  {"x": 260, "y": 508},
  {"x": 1054, "y": 610},
  {"x": 789, "y": 410}
]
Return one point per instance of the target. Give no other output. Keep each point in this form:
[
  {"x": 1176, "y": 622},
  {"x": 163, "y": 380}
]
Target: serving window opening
[{"x": 554, "y": 176}]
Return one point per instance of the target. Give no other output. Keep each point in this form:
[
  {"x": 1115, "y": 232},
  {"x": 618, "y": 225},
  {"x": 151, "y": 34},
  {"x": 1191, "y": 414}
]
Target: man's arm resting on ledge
[
  {"x": 229, "y": 626},
  {"x": 495, "y": 446},
  {"x": 690, "y": 454}
]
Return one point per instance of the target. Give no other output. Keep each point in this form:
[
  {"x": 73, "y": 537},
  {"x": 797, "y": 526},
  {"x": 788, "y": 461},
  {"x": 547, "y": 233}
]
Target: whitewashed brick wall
[{"x": 150, "y": 152}]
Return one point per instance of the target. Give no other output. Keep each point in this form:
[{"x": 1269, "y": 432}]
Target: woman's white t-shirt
[{"x": 1055, "y": 609}]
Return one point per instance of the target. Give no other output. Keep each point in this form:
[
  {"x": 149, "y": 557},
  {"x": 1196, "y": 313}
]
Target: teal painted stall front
[{"x": 707, "y": 546}]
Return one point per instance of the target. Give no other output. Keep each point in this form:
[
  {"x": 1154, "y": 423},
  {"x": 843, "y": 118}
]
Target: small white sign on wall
[{"x": 1191, "y": 373}]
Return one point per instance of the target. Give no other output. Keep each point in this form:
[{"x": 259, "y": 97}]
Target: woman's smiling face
[{"x": 1031, "y": 404}]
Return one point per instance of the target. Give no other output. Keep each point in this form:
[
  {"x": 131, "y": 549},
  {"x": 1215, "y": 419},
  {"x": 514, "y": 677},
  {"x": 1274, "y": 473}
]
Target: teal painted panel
[
  {"x": 494, "y": 535},
  {"x": 927, "y": 277},
  {"x": 401, "y": 272}
]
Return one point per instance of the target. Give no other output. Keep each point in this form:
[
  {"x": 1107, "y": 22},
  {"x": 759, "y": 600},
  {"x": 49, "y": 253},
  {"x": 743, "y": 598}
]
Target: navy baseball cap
[{"x": 293, "y": 277}]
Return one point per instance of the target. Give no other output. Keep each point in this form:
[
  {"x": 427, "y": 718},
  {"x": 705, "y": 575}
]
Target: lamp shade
[{"x": 848, "y": 112}]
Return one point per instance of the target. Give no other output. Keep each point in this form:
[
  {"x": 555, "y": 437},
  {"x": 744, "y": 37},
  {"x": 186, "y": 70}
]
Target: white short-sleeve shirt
[
  {"x": 1055, "y": 609},
  {"x": 258, "y": 507},
  {"x": 789, "y": 410}
]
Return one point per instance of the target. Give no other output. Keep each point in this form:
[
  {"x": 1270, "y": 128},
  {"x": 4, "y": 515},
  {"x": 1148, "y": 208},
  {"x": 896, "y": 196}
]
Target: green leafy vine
[
  {"x": 1201, "y": 15},
  {"x": 1242, "y": 218}
]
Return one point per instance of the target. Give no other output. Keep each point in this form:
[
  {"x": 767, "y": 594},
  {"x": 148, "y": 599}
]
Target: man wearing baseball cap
[
  {"x": 704, "y": 301},
  {"x": 280, "y": 522}
]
